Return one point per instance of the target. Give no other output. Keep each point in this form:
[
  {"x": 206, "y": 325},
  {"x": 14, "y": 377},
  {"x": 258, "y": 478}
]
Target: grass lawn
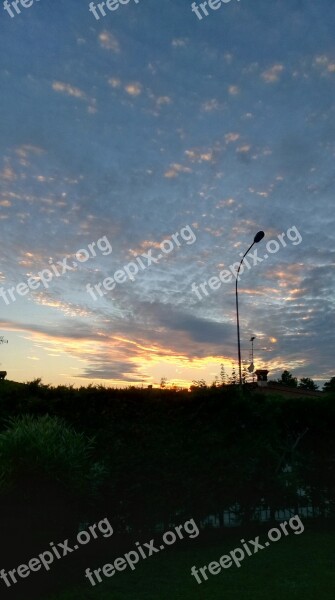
[{"x": 298, "y": 567}]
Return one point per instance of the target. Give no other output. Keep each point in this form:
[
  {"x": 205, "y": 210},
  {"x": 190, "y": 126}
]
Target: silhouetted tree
[
  {"x": 163, "y": 382},
  {"x": 233, "y": 378},
  {"x": 306, "y": 383},
  {"x": 223, "y": 375},
  {"x": 199, "y": 383},
  {"x": 215, "y": 383},
  {"x": 329, "y": 386},
  {"x": 288, "y": 379}
]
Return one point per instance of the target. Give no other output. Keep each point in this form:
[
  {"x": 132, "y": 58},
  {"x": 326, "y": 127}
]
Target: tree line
[{"x": 149, "y": 458}]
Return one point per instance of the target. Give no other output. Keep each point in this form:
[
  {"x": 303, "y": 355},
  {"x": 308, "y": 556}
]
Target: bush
[
  {"x": 46, "y": 448},
  {"x": 47, "y": 473}
]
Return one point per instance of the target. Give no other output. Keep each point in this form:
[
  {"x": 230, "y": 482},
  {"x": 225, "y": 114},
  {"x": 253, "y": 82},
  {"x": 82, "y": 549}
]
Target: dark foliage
[{"x": 160, "y": 455}]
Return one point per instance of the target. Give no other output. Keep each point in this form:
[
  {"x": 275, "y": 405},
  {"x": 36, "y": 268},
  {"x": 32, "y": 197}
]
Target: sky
[{"x": 149, "y": 123}]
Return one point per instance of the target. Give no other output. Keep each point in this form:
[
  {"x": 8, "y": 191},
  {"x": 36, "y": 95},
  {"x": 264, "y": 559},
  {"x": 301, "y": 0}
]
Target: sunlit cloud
[
  {"x": 272, "y": 75},
  {"x": 231, "y": 137},
  {"x": 175, "y": 170},
  {"x": 7, "y": 174},
  {"x": 109, "y": 41},
  {"x": 133, "y": 89},
  {"x": 199, "y": 156},
  {"x": 70, "y": 90},
  {"x": 244, "y": 149}
]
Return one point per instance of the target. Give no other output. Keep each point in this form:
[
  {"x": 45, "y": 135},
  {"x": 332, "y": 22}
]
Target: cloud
[
  {"x": 272, "y": 75},
  {"x": 70, "y": 90},
  {"x": 161, "y": 100},
  {"x": 179, "y": 42},
  {"x": 7, "y": 174},
  {"x": 231, "y": 137},
  {"x": 199, "y": 156},
  {"x": 114, "y": 82},
  {"x": 233, "y": 90},
  {"x": 324, "y": 64},
  {"x": 243, "y": 149},
  {"x": 133, "y": 89},
  {"x": 26, "y": 150},
  {"x": 108, "y": 41},
  {"x": 175, "y": 170},
  {"x": 118, "y": 371},
  {"x": 211, "y": 105}
]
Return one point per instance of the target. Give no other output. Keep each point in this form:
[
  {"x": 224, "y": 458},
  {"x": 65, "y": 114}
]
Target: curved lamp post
[{"x": 258, "y": 237}]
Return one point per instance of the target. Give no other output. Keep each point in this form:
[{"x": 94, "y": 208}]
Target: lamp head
[{"x": 258, "y": 237}]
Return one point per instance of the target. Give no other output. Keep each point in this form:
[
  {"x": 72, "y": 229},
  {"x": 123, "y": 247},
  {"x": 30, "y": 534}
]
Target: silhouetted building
[{"x": 262, "y": 377}]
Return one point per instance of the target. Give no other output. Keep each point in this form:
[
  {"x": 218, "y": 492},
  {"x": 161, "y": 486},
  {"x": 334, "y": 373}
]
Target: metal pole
[
  {"x": 238, "y": 337},
  {"x": 252, "y": 358},
  {"x": 238, "y": 318}
]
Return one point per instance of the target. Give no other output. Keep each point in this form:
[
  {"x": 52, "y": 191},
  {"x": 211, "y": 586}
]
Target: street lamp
[{"x": 258, "y": 237}]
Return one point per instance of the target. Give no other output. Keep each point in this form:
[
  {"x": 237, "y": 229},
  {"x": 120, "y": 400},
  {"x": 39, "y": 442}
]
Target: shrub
[{"x": 45, "y": 448}]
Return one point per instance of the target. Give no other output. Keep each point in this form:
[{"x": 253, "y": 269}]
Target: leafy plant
[{"x": 43, "y": 449}]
